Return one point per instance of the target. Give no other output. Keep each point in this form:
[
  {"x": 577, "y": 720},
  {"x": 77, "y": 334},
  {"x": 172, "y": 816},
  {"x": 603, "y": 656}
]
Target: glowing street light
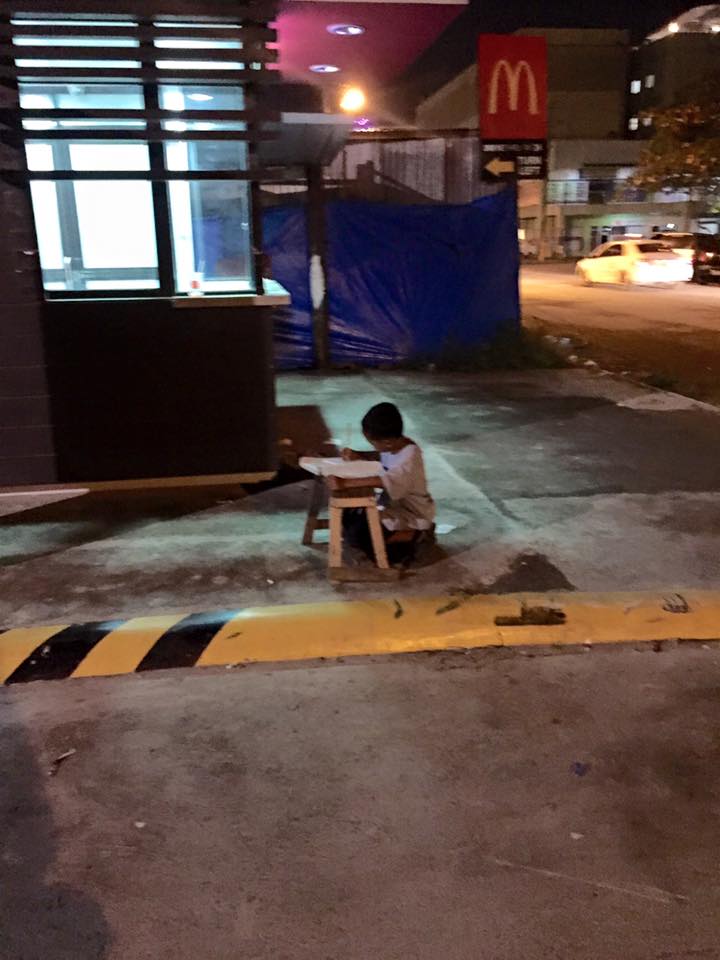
[
  {"x": 353, "y": 100},
  {"x": 674, "y": 27}
]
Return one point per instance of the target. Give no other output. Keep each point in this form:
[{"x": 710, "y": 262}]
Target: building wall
[
  {"x": 27, "y": 448},
  {"x": 576, "y": 228},
  {"x": 100, "y": 390},
  {"x": 454, "y": 106},
  {"x": 587, "y": 80},
  {"x": 145, "y": 388},
  {"x": 570, "y": 159},
  {"x": 675, "y": 63},
  {"x": 586, "y": 114}
]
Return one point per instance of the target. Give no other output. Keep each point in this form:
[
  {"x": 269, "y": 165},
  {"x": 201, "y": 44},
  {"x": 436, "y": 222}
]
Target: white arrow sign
[{"x": 498, "y": 167}]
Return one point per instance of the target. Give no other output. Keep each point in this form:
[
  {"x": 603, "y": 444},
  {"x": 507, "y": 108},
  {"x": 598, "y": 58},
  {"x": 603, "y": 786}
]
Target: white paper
[{"x": 336, "y": 467}]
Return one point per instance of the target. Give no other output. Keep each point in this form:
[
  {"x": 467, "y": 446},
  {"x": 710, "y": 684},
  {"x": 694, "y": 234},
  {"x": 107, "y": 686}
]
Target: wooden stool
[
  {"x": 314, "y": 521},
  {"x": 354, "y": 498},
  {"x": 363, "y": 497}
]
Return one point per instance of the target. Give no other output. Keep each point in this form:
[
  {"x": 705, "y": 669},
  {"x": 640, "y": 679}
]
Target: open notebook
[{"x": 335, "y": 467}]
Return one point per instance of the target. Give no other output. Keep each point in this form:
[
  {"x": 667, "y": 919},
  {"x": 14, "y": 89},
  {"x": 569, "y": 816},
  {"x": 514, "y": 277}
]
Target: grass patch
[
  {"x": 660, "y": 381},
  {"x": 511, "y": 349}
]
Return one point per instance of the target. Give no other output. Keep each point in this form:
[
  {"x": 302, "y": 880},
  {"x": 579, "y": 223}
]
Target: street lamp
[{"x": 352, "y": 100}]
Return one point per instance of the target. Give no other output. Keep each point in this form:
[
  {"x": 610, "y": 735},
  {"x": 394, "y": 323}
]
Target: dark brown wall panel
[{"x": 143, "y": 389}]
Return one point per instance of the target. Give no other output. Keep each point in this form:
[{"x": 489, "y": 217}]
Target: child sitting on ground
[{"x": 407, "y": 511}]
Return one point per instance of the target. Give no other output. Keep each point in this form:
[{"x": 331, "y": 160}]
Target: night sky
[{"x": 456, "y": 48}]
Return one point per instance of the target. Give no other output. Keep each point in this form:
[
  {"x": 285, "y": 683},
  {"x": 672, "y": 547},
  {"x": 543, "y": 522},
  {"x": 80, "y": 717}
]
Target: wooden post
[{"x": 317, "y": 245}]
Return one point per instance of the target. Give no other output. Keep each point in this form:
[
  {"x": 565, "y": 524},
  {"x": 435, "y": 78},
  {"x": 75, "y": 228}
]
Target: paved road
[
  {"x": 667, "y": 337},
  {"x": 552, "y": 293}
]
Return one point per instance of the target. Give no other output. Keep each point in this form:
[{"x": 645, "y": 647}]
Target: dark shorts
[{"x": 356, "y": 533}]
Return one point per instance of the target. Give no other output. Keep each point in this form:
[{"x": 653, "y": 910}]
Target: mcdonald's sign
[{"x": 512, "y": 71}]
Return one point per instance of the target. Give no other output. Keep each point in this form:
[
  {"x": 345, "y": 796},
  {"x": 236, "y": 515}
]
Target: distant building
[
  {"x": 590, "y": 198},
  {"x": 592, "y": 76},
  {"x": 671, "y": 61}
]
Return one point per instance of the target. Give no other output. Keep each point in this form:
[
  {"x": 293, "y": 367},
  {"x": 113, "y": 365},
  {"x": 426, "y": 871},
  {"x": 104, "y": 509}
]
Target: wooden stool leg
[
  {"x": 376, "y": 534},
  {"x": 312, "y": 523},
  {"x": 335, "y": 550}
]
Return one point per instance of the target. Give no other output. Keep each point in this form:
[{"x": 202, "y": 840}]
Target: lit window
[
  {"x": 650, "y": 81},
  {"x": 633, "y": 123},
  {"x": 92, "y": 235},
  {"x": 647, "y": 121},
  {"x": 210, "y": 218},
  {"x": 100, "y": 231},
  {"x": 635, "y": 86}
]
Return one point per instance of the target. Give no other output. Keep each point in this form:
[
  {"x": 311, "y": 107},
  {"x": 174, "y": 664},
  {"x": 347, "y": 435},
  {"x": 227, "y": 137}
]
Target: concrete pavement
[
  {"x": 476, "y": 807},
  {"x": 489, "y": 805},
  {"x": 545, "y": 480}
]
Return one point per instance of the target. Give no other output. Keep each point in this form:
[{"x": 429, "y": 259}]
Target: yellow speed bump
[
  {"x": 123, "y": 649},
  {"x": 309, "y": 631},
  {"x": 18, "y": 644},
  {"x": 355, "y": 628}
]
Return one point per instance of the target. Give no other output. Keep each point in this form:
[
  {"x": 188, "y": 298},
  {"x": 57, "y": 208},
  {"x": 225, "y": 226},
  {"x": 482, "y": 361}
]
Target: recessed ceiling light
[
  {"x": 324, "y": 68},
  {"x": 199, "y": 97},
  {"x": 346, "y": 29}
]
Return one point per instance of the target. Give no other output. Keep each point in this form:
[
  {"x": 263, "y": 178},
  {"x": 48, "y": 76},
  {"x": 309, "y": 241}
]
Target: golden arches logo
[{"x": 513, "y": 75}]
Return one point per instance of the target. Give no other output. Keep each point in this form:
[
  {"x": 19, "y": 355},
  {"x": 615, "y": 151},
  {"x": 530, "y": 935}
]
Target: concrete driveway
[
  {"x": 544, "y": 481},
  {"x": 462, "y": 806}
]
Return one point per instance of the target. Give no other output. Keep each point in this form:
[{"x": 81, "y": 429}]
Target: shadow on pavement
[
  {"x": 40, "y": 919},
  {"x": 49, "y": 528},
  {"x": 53, "y": 527}
]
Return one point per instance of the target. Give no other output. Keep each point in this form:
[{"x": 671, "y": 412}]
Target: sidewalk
[{"x": 545, "y": 481}]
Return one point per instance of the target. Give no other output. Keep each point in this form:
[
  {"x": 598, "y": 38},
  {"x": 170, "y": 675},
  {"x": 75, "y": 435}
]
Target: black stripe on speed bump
[
  {"x": 63, "y": 653},
  {"x": 184, "y": 644}
]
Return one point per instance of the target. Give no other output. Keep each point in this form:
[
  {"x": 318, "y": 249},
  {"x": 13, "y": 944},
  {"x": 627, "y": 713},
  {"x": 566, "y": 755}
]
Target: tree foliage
[{"x": 684, "y": 154}]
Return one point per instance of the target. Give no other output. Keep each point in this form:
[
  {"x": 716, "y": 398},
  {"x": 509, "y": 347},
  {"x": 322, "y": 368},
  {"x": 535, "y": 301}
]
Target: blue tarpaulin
[
  {"x": 285, "y": 240},
  {"x": 404, "y": 282}
]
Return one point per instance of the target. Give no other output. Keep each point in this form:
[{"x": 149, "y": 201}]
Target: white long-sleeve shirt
[{"x": 405, "y": 502}]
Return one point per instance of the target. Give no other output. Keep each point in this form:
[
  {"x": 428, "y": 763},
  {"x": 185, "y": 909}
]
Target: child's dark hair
[{"x": 383, "y": 422}]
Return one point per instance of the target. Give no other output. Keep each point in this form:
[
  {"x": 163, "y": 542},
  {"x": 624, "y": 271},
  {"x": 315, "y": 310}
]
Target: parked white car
[
  {"x": 634, "y": 261},
  {"x": 682, "y": 244}
]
